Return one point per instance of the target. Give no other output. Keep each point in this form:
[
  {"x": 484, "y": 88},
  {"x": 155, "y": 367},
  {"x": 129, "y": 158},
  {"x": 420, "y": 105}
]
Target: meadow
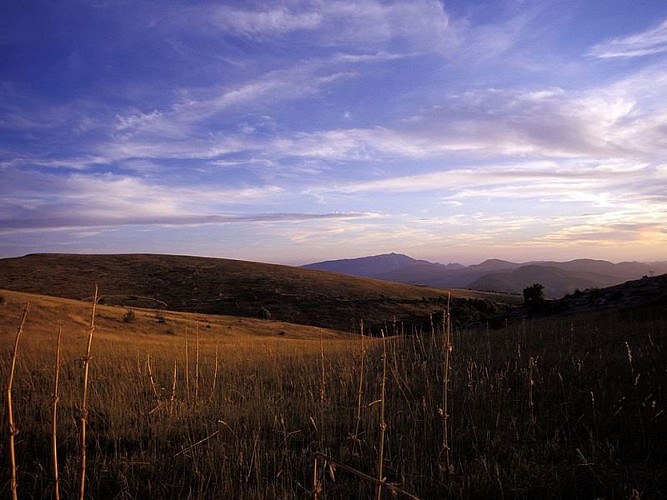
[{"x": 198, "y": 406}]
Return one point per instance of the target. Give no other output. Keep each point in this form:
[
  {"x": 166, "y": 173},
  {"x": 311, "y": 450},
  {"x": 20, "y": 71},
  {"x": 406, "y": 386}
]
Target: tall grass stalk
[
  {"x": 10, "y": 411},
  {"x": 447, "y": 330},
  {"x": 323, "y": 375},
  {"x": 187, "y": 367},
  {"x": 149, "y": 368},
  {"x": 322, "y": 392},
  {"x": 172, "y": 396},
  {"x": 197, "y": 364},
  {"x": 383, "y": 423},
  {"x": 84, "y": 398},
  {"x": 54, "y": 419},
  {"x": 317, "y": 484},
  {"x": 215, "y": 374},
  {"x": 629, "y": 351},
  {"x": 531, "y": 382},
  {"x": 394, "y": 490},
  {"x": 360, "y": 392}
]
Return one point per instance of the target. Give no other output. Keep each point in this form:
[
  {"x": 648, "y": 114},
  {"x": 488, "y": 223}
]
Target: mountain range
[{"x": 558, "y": 278}]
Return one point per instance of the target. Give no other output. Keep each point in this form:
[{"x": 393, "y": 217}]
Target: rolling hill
[{"x": 238, "y": 288}]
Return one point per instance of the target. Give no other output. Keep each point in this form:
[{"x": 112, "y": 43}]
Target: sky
[{"x": 298, "y": 131}]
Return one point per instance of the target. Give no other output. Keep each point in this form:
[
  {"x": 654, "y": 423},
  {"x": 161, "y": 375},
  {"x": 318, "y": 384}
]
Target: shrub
[
  {"x": 533, "y": 296},
  {"x": 130, "y": 316}
]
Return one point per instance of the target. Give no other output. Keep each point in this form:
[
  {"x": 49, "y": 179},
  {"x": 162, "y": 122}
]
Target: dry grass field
[
  {"x": 197, "y": 406},
  {"x": 128, "y": 410}
]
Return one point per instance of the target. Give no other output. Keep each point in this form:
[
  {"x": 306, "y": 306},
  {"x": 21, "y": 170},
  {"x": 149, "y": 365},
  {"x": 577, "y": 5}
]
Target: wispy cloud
[
  {"x": 12, "y": 226},
  {"x": 651, "y": 41},
  {"x": 529, "y": 179},
  {"x": 350, "y": 125},
  {"x": 622, "y": 226},
  {"x": 271, "y": 22},
  {"x": 417, "y": 26},
  {"x": 111, "y": 200},
  {"x": 336, "y": 23},
  {"x": 621, "y": 120}
]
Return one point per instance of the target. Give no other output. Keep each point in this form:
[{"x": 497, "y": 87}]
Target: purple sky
[{"x": 295, "y": 131}]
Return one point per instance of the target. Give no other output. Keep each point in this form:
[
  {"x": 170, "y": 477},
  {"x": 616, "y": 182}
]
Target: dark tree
[{"x": 533, "y": 296}]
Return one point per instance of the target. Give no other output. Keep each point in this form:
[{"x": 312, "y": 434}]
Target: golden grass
[
  {"x": 147, "y": 352},
  {"x": 84, "y": 397},
  {"x": 146, "y": 334},
  {"x": 586, "y": 421},
  {"x": 10, "y": 408},
  {"x": 54, "y": 417}
]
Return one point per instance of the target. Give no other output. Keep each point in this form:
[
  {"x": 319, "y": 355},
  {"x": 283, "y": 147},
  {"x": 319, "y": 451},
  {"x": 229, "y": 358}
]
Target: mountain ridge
[
  {"x": 373, "y": 265},
  {"x": 497, "y": 275}
]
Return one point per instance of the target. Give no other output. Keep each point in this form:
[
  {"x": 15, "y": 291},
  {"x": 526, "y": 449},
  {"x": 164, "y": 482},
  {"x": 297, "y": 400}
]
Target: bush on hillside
[
  {"x": 129, "y": 317},
  {"x": 264, "y": 313},
  {"x": 533, "y": 296}
]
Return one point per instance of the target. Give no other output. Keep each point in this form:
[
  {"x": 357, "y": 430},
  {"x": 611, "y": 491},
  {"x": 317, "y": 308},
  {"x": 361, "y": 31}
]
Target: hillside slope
[
  {"x": 232, "y": 287},
  {"x": 644, "y": 292},
  {"x": 47, "y": 313}
]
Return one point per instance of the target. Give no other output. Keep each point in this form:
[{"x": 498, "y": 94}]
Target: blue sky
[{"x": 294, "y": 131}]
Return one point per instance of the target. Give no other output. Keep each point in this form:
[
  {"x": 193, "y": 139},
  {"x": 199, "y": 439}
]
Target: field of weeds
[{"x": 182, "y": 406}]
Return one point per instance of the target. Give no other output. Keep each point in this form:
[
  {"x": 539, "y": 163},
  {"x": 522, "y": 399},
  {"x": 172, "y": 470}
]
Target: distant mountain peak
[
  {"x": 366, "y": 266},
  {"x": 496, "y": 265},
  {"x": 493, "y": 262}
]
